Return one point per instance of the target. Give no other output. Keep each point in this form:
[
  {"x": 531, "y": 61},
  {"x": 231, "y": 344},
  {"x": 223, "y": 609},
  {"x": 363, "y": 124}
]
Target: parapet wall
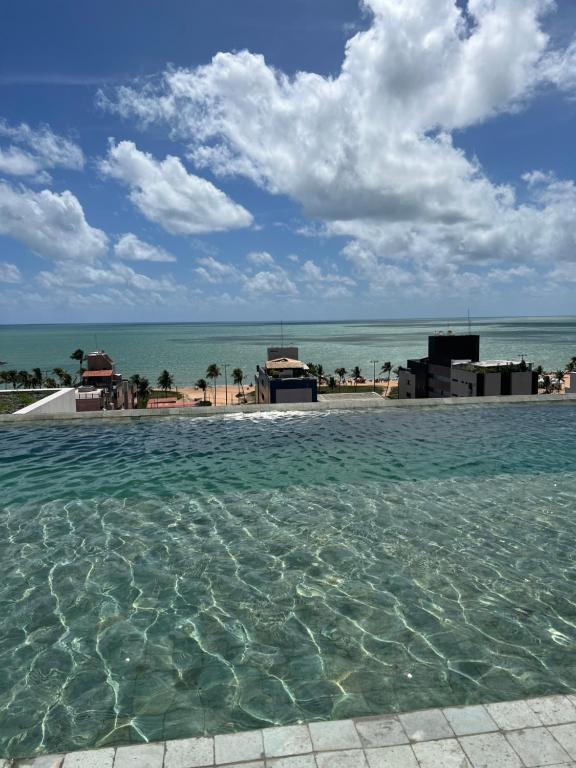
[
  {"x": 347, "y": 404},
  {"x": 61, "y": 402}
]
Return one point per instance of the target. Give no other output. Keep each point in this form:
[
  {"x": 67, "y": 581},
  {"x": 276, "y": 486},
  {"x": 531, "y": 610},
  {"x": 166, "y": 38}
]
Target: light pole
[
  {"x": 226, "y": 381},
  {"x": 374, "y": 375}
]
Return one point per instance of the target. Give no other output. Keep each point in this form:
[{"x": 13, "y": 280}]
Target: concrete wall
[
  {"x": 62, "y": 401},
  {"x": 521, "y": 382}
]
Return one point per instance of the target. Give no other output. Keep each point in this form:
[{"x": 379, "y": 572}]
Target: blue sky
[{"x": 315, "y": 160}]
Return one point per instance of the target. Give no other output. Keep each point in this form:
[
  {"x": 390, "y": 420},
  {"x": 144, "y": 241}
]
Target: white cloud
[
  {"x": 84, "y": 276},
  {"x": 266, "y": 283},
  {"x": 9, "y": 273},
  {"x": 370, "y": 152},
  {"x": 260, "y": 258},
  {"x": 30, "y": 152},
  {"x": 131, "y": 248},
  {"x": 165, "y": 193},
  {"x": 50, "y": 224},
  {"x": 214, "y": 271},
  {"x": 559, "y": 68}
]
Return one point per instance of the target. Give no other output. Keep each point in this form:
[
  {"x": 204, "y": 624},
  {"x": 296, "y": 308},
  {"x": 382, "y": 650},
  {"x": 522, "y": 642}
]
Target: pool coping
[
  {"x": 346, "y": 404},
  {"x": 530, "y": 732}
]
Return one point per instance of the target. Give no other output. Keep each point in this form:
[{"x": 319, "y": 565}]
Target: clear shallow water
[
  {"x": 186, "y": 349},
  {"x": 185, "y": 576}
]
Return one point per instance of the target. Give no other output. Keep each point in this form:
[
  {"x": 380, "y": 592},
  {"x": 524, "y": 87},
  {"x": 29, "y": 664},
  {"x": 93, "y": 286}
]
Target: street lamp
[
  {"x": 374, "y": 375},
  {"x": 226, "y": 365}
]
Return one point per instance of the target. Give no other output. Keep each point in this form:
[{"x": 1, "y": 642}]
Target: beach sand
[{"x": 192, "y": 393}]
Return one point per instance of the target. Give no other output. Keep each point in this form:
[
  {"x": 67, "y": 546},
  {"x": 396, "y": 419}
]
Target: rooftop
[
  {"x": 281, "y": 363},
  {"x": 98, "y": 374}
]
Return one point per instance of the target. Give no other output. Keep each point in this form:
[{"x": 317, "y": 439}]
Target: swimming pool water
[{"x": 179, "y": 576}]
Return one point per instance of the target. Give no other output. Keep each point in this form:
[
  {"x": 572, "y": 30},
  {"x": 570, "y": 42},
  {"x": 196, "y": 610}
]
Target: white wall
[{"x": 60, "y": 401}]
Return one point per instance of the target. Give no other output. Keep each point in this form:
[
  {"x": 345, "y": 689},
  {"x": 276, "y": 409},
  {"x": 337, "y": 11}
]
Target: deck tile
[
  {"x": 426, "y": 725},
  {"x": 490, "y": 750},
  {"x": 446, "y": 753},
  {"x": 553, "y": 710},
  {"x": 348, "y": 758},
  {"x": 381, "y": 732},
  {"x": 238, "y": 747},
  {"x": 512, "y": 715},
  {"x": 466, "y": 721},
  {"x": 536, "y": 747},
  {"x": 296, "y": 761},
  {"x": 93, "y": 758},
  {"x": 566, "y": 736},
  {"x": 339, "y": 734},
  {"x": 392, "y": 757},
  {"x": 189, "y": 753},
  {"x": 287, "y": 740},
  {"x": 140, "y": 756}
]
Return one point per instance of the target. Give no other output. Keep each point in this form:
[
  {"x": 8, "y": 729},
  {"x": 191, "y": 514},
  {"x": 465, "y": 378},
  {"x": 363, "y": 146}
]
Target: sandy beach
[{"x": 192, "y": 393}]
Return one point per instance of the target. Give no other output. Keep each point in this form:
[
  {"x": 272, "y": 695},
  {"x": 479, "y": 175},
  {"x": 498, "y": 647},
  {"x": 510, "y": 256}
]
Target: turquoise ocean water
[
  {"x": 187, "y": 349},
  {"x": 175, "y": 577}
]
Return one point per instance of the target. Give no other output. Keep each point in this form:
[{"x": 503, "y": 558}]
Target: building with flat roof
[
  {"x": 453, "y": 369},
  {"x": 285, "y": 379},
  {"x": 100, "y": 377}
]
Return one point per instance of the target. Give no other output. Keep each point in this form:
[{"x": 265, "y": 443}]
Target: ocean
[{"x": 186, "y": 349}]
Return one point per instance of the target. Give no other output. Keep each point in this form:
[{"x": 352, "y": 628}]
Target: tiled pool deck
[{"x": 521, "y": 734}]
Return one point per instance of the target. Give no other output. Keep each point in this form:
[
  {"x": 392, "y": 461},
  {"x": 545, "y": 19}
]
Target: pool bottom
[{"x": 128, "y": 620}]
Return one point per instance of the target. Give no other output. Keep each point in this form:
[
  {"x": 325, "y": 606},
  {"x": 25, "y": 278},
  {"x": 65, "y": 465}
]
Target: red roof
[{"x": 97, "y": 374}]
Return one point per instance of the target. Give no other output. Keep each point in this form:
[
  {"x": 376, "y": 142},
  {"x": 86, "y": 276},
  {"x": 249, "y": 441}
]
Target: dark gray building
[
  {"x": 285, "y": 379},
  {"x": 453, "y": 369}
]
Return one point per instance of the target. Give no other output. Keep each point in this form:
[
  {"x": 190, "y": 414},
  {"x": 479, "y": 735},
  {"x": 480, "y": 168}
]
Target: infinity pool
[{"x": 181, "y": 576}]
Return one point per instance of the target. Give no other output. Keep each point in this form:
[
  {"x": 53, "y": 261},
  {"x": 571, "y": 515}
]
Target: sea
[{"x": 186, "y": 349}]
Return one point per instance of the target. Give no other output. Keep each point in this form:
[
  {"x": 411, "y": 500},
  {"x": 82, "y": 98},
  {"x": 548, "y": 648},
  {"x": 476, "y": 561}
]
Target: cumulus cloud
[
  {"x": 50, "y": 224},
  {"x": 213, "y": 271},
  {"x": 9, "y": 273},
  {"x": 30, "y": 152},
  {"x": 131, "y": 248},
  {"x": 83, "y": 276},
  {"x": 268, "y": 283},
  {"x": 559, "y": 68},
  {"x": 260, "y": 258},
  {"x": 165, "y": 193},
  {"x": 371, "y": 152}
]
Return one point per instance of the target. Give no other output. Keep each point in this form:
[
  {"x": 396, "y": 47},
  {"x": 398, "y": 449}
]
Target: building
[
  {"x": 285, "y": 379},
  {"x": 453, "y": 369},
  {"x": 102, "y": 388}
]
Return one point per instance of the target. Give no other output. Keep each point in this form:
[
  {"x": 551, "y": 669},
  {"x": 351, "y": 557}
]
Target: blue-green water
[
  {"x": 177, "y": 577},
  {"x": 186, "y": 349}
]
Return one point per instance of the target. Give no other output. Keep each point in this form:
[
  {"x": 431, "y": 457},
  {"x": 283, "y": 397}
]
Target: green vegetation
[
  {"x": 212, "y": 373},
  {"x": 10, "y": 402},
  {"x": 165, "y": 393}
]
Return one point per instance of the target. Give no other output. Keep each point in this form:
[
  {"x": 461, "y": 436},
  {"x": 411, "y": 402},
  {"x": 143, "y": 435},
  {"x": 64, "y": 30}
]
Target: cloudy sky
[{"x": 314, "y": 159}]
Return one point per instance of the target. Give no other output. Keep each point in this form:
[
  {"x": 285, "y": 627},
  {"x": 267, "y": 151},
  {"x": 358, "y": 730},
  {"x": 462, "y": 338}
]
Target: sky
[{"x": 211, "y": 160}]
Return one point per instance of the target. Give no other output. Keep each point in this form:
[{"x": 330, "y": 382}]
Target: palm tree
[
  {"x": 320, "y": 373},
  {"x": 165, "y": 381},
  {"x": 202, "y": 384},
  {"x": 560, "y": 376},
  {"x": 331, "y": 382},
  {"x": 571, "y": 367},
  {"x": 238, "y": 378},
  {"x": 213, "y": 372},
  {"x": 312, "y": 369},
  {"x": 341, "y": 373},
  {"x": 142, "y": 390},
  {"x": 547, "y": 384},
  {"x": 356, "y": 374},
  {"x": 78, "y": 355},
  {"x": 37, "y": 378},
  {"x": 23, "y": 379},
  {"x": 387, "y": 369},
  {"x": 135, "y": 380},
  {"x": 63, "y": 377}
]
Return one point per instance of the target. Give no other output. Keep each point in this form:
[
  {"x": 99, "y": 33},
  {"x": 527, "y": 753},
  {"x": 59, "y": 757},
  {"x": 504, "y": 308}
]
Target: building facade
[
  {"x": 453, "y": 369},
  {"x": 285, "y": 379}
]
